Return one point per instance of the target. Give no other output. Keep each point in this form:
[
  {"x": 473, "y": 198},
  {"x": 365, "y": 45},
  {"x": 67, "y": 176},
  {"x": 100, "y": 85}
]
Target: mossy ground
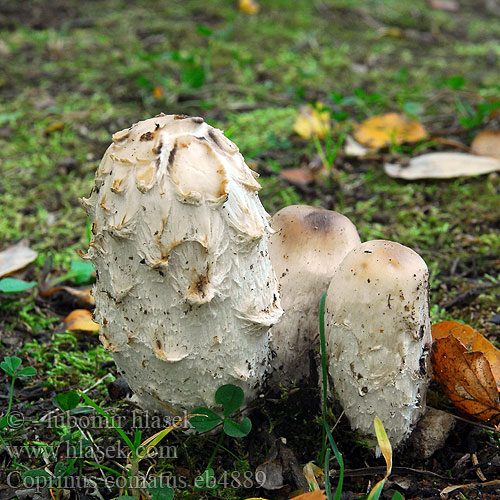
[{"x": 72, "y": 73}]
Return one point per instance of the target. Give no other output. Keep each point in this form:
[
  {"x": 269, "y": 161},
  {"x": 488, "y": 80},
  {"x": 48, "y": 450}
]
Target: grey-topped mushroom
[{"x": 307, "y": 245}]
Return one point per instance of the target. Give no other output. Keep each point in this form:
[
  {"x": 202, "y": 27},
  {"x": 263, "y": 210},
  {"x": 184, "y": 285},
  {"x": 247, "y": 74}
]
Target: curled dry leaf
[
  {"x": 16, "y": 257},
  {"x": 487, "y": 143},
  {"x": 443, "y": 166},
  {"x": 472, "y": 340},
  {"x": 466, "y": 378},
  {"x": 312, "y": 121},
  {"x": 387, "y": 129},
  {"x": 84, "y": 294},
  {"x": 80, "y": 320},
  {"x": 248, "y": 6}
]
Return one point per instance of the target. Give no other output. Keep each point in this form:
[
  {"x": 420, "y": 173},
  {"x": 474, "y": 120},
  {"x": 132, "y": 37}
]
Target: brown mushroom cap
[{"x": 305, "y": 249}]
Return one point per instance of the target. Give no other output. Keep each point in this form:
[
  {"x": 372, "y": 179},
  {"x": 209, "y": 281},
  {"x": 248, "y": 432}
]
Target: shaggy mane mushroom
[{"x": 185, "y": 292}]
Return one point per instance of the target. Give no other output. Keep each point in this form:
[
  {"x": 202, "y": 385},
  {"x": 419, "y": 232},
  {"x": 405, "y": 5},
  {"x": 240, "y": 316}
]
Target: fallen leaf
[
  {"x": 158, "y": 92},
  {"x": 487, "y": 143},
  {"x": 248, "y": 6},
  {"x": 80, "y": 320},
  {"x": 300, "y": 176},
  {"x": 387, "y": 129},
  {"x": 472, "y": 340},
  {"x": 312, "y": 495},
  {"x": 53, "y": 127},
  {"x": 445, "y": 5},
  {"x": 16, "y": 257},
  {"x": 84, "y": 294},
  {"x": 466, "y": 378},
  {"x": 312, "y": 121},
  {"x": 313, "y": 474},
  {"x": 443, "y": 166}
]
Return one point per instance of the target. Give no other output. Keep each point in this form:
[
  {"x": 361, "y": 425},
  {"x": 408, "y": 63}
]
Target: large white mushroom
[
  {"x": 307, "y": 245},
  {"x": 377, "y": 329},
  {"x": 185, "y": 292}
]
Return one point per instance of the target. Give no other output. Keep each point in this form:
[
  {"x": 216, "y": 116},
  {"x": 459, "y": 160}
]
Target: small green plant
[
  {"x": 231, "y": 398},
  {"x": 12, "y": 285},
  {"x": 12, "y": 367},
  {"x": 138, "y": 451}
]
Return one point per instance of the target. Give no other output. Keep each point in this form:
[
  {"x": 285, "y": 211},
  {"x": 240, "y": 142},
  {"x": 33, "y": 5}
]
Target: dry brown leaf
[
  {"x": 84, "y": 294},
  {"x": 16, "y": 257},
  {"x": 445, "y": 5},
  {"x": 300, "y": 176},
  {"x": 466, "y": 378},
  {"x": 387, "y": 129},
  {"x": 248, "y": 6},
  {"x": 443, "y": 166},
  {"x": 487, "y": 143},
  {"x": 312, "y": 121},
  {"x": 80, "y": 320},
  {"x": 472, "y": 340}
]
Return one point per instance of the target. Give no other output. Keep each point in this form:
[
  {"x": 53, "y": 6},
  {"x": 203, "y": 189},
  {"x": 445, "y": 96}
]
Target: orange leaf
[
  {"x": 391, "y": 128},
  {"x": 312, "y": 495},
  {"x": 466, "y": 378},
  {"x": 158, "y": 92},
  {"x": 80, "y": 320},
  {"x": 487, "y": 143},
  {"x": 248, "y": 6},
  {"x": 472, "y": 340}
]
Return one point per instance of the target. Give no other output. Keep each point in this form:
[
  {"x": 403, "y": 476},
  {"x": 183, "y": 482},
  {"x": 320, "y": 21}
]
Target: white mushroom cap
[
  {"x": 185, "y": 291},
  {"x": 307, "y": 246},
  {"x": 378, "y": 336}
]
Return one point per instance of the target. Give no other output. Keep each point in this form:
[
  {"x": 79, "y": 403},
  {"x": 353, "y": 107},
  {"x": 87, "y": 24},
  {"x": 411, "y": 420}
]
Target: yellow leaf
[
  {"x": 248, "y": 6},
  {"x": 312, "y": 122},
  {"x": 80, "y": 320},
  {"x": 384, "y": 444},
  {"x": 391, "y": 128},
  {"x": 312, "y": 473}
]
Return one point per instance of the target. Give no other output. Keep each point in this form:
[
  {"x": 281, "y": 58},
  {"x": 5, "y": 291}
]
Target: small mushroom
[
  {"x": 378, "y": 335},
  {"x": 307, "y": 246},
  {"x": 185, "y": 292}
]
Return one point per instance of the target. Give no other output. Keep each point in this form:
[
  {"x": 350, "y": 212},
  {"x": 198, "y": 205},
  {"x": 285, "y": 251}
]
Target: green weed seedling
[
  {"x": 138, "y": 451},
  {"x": 231, "y": 398},
  {"x": 12, "y": 285},
  {"x": 12, "y": 367}
]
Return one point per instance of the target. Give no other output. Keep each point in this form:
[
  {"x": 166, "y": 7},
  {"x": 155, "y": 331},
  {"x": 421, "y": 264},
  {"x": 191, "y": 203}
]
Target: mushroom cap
[
  {"x": 185, "y": 291},
  {"x": 378, "y": 336},
  {"x": 307, "y": 245}
]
